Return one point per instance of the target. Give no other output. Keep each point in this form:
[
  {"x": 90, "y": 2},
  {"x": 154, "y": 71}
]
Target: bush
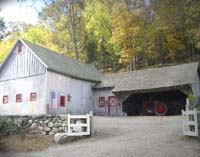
[
  {"x": 198, "y": 107},
  {"x": 191, "y": 98},
  {"x": 8, "y": 127}
]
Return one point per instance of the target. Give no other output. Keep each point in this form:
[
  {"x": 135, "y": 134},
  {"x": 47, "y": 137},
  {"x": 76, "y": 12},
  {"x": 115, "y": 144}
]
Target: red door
[{"x": 112, "y": 105}]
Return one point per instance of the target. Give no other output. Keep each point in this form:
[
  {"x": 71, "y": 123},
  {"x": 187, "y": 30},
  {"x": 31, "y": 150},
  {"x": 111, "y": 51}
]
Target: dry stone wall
[
  {"x": 47, "y": 125},
  {"x": 50, "y": 125}
]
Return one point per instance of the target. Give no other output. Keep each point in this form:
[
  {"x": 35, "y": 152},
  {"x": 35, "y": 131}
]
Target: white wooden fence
[
  {"x": 80, "y": 125},
  {"x": 191, "y": 122}
]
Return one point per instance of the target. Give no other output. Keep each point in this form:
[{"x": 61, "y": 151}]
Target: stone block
[
  {"x": 50, "y": 124},
  {"x": 33, "y": 126},
  {"x": 41, "y": 128},
  {"x": 47, "y": 129},
  {"x": 60, "y": 138}
]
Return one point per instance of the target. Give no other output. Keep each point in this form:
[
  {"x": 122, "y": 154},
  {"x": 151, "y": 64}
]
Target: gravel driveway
[{"x": 128, "y": 137}]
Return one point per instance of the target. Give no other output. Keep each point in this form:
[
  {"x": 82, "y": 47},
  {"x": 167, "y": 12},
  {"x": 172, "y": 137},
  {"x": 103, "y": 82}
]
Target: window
[
  {"x": 19, "y": 48},
  {"x": 19, "y": 98},
  {"x": 33, "y": 96},
  {"x": 5, "y": 99},
  {"x": 102, "y": 101},
  {"x": 62, "y": 101}
]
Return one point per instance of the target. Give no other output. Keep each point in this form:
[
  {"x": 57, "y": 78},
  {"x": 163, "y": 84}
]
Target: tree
[
  {"x": 2, "y": 28},
  {"x": 125, "y": 29},
  {"x": 64, "y": 17},
  {"x": 37, "y": 34},
  {"x": 97, "y": 17}
]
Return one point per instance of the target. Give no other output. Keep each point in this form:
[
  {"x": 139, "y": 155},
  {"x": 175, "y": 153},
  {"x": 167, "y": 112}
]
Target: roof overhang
[{"x": 182, "y": 88}]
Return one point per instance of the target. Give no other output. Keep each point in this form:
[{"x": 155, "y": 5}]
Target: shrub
[
  {"x": 191, "y": 98},
  {"x": 8, "y": 127},
  {"x": 198, "y": 107}
]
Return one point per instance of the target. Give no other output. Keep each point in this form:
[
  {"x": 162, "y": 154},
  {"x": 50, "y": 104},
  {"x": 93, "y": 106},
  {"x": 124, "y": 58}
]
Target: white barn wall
[
  {"x": 196, "y": 89},
  {"x": 22, "y": 74},
  {"x": 21, "y": 66},
  {"x": 79, "y": 91},
  {"x": 23, "y": 86}
]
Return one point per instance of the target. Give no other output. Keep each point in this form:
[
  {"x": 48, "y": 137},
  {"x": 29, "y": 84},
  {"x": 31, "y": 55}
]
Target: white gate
[
  {"x": 191, "y": 122},
  {"x": 79, "y": 125}
]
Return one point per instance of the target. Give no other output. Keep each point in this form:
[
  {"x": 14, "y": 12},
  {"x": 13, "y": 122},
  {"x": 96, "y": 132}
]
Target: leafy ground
[
  {"x": 17, "y": 136},
  {"x": 25, "y": 142},
  {"x": 30, "y": 140}
]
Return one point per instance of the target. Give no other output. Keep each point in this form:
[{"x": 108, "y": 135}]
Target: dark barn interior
[{"x": 155, "y": 103}]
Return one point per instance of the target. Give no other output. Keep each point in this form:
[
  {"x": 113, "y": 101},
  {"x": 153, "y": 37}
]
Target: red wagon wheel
[{"x": 160, "y": 109}]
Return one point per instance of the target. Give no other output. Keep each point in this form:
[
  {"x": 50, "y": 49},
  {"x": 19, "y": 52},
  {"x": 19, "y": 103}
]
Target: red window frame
[
  {"x": 33, "y": 96},
  {"x": 102, "y": 101},
  {"x": 20, "y": 48},
  {"x": 62, "y": 100},
  {"x": 18, "y": 97},
  {"x": 5, "y": 99}
]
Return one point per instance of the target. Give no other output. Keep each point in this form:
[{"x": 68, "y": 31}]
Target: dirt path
[{"x": 127, "y": 137}]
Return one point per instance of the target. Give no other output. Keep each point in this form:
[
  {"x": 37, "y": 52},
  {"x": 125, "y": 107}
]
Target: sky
[{"x": 20, "y": 10}]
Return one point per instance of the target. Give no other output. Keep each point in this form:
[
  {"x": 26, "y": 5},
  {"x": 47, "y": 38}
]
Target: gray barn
[
  {"x": 35, "y": 80},
  {"x": 162, "y": 90}
]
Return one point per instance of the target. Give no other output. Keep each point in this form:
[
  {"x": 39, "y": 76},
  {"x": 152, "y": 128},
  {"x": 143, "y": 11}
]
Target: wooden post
[
  {"x": 91, "y": 123},
  {"x": 68, "y": 124},
  {"x": 190, "y": 124}
]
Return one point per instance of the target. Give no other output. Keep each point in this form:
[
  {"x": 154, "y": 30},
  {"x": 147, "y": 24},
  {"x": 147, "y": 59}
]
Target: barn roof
[
  {"x": 154, "y": 78},
  {"x": 62, "y": 64}
]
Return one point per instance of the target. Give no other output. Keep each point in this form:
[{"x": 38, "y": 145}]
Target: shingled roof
[
  {"x": 59, "y": 63},
  {"x": 155, "y": 78}
]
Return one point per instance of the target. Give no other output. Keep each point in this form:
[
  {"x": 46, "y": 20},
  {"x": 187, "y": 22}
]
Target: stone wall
[{"x": 47, "y": 125}]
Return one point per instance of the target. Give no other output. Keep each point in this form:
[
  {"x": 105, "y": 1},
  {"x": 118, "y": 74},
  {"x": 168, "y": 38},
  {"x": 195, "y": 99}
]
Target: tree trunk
[
  {"x": 72, "y": 24},
  {"x": 130, "y": 64},
  {"x": 76, "y": 50},
  {"x": 193, "y": 53}
]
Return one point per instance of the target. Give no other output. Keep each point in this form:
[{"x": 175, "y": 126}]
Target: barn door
[{"x": 112, "y": 105}]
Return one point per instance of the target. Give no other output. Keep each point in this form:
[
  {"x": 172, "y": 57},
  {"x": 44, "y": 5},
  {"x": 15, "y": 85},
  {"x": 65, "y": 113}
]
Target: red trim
[
  {"x": 113, "y": 103},
  {"x": 33, "y": 96},
  {"x": 5, "y": 99},
  {"x": 18, "y": 97},
  {"x": 62, "y": 101},
  {"x": 102, "y": 101}
]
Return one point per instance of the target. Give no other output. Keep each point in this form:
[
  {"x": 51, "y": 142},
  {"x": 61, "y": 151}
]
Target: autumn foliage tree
[
  {"x": 97, "y": 17},
  {"x": 117, "y": 35},
  {"x": 124, "y": 32}
]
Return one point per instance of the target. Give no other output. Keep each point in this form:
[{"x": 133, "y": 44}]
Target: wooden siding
[
  {"x": 196, "y": 89},
  {"x": 23, "y": 86},
  {"x": 21, "y": 65},
  {"x": 80, "y": 94}
]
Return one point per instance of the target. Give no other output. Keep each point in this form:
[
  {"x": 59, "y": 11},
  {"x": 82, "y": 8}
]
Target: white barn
[{"x": 36, "y": 81}]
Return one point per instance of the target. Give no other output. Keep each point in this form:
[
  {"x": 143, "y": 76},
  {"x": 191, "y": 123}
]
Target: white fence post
[{"x": 91, "y": 123}]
